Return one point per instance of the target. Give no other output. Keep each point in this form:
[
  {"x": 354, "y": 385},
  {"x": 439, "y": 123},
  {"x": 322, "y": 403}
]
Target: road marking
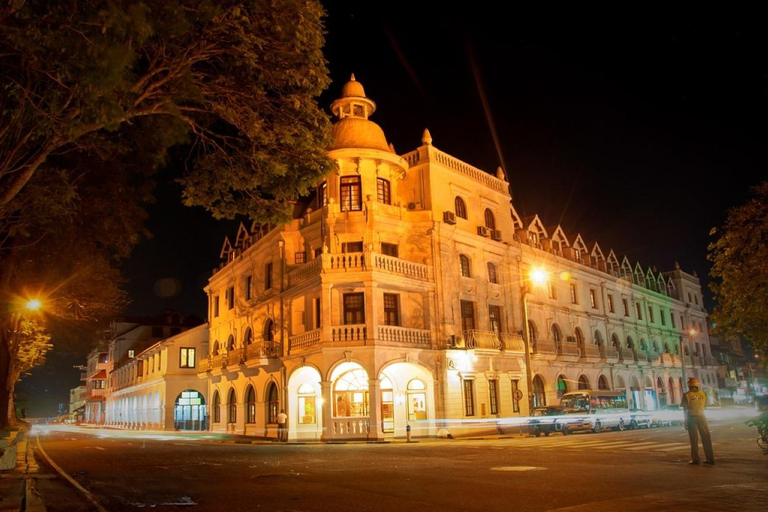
[
  {"x": 517, "y": 468},
  {"x": 658, "y": 446}
]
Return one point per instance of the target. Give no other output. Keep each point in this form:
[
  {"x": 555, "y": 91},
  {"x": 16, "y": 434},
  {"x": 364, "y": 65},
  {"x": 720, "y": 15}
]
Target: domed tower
[{"x": 368, "y": 172}]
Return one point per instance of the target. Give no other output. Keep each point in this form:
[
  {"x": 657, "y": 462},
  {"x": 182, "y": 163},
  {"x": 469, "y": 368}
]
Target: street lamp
[
  {"x": 683, "y": 346},
  {"x": 537, "y": 276}
]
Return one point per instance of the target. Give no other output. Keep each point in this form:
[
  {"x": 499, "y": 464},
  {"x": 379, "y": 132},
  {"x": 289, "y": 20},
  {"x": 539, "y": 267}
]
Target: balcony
[
  {"x": 406, "y": 335},
  {"x": 641, "y": 357},
  {"x": 610, "y": 354},
  {"x": 355, "y": 332},
  {"x": 358, "y": 261},
  {"x": 544, "y": 348},
  {"x": 627, "y": 355},
  {"x": 567, "y": 351},
  {"x": 590, "y": 352},
  {"x": 482, "y": 340},
  {"x": 304, "y": 340},
  {"x": 513, "y": 343}
]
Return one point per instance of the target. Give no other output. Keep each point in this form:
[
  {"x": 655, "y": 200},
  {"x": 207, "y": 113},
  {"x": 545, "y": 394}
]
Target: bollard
[{"x": 408, "y": 433}]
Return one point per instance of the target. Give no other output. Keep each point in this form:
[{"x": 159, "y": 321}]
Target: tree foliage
[
  {"x": 739, "y": 257},
  {"x": 96, "y": 96}
]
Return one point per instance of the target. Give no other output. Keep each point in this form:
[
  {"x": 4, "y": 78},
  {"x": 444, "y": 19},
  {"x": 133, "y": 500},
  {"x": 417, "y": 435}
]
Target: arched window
[
  {"x": 350, "y": 394},
  {"x": 643, "y": 345},
  {"x": 464, "y": 266},
  {"x": 614, "y": 340},
  {"x": 666, "y": 348},
  {"x": 557, "y": 335},
  {"x": 490, "y": 220},
  {"x": 250, "y": 405},
  {"x": 269, "y": 328},
  {"x": 273, "y": 403},
  {"x": 492, "y": 277},
  {"x": 216, "y": 407},
  {"x": 583, "y": 382},
  {"x": 598, "y": 339},
  {"x": 417, "y": 400},
  {"x": 655, "y": 346},
  {"x": 533, "y": 333},
  {"x": 602, "y": 383},
  {"x": 232, "y": 407},
  {"x": 630, "y": 343},
  {"x": 230, "y": 343},
  {"x": 579, "y": 336},
  {"x": 562, "y": 386},
  {"x": 248, "y": 336},
  {"x": 539, "y": 396},
  {"x": 460, "y": 207},
  {"x": 215, "y": 349}
]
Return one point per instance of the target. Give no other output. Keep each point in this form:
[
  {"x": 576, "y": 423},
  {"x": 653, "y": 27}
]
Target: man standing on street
[
  {"x": 282, "y": 427},
  {"x": 693, "y": 404}
]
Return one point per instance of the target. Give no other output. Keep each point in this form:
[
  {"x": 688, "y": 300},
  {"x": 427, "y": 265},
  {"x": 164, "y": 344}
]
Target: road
[{"x": 644, "y": 469}]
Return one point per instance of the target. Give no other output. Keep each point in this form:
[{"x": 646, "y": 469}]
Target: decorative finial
[
  {"x": 500, "y": 174},
  {"x": 426, "y": 138},
  {"x": 677, "y": 266},
  {"x": 392, "y": 147},
  {"x": 352, "y": 78}
]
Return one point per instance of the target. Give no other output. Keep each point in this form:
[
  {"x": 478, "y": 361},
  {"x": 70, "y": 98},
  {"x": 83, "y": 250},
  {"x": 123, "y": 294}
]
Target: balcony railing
[
  {"x": 355, "y": 332},
  {"x": 398, "y": 266},
  {"x": 543, "y": 347},
  {"x": 609, "y": 353},
  {"x": 567, "y": 349},
  {"x": 305, "y": 272},
  {"x": 591, "y": 351},
  {"x": 304, "y": 340},
  {"x": 408, "y": 335},
  {"x": 513, "y": 343},
  {"x": 346, "y": 261},
  {"x": 484, "y": 340},
  {"x": 627, "y": 354}
]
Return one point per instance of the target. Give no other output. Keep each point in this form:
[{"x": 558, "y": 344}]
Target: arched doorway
[
  {"x": 189, "y": 411},
  {"x": 602, "y": 382},
  {"x": 583, "y": 382},
  {"x": 539, "y": 396},
  {"x": 562, "y": 386}
]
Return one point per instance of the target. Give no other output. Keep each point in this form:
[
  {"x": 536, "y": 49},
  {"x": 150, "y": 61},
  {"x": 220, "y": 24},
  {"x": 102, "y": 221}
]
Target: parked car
[
  {"x": 640, "y": 419},
  {"x": 544, "y": 420}
]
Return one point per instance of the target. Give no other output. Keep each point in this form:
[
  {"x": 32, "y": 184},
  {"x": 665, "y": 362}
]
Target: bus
[{"x": 604, "y": 408}]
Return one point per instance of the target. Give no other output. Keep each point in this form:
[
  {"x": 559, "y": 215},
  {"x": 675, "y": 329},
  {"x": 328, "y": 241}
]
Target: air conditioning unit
[
  {"x": 496, "y": 235},
  {"x": 483, "y": 231},
  {"x": 449, "y": 217}
]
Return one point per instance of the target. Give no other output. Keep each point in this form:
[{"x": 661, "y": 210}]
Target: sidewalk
[{"x": 17, "y": 486}]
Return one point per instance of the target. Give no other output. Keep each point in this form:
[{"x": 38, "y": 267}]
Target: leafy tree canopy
[
  {"x": 739, "y": 257},
  {"x": 95, "y": 97}
]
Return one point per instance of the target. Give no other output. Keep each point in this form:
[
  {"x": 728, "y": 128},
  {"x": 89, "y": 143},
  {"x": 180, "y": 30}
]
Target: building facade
[{"x": 399, "y": 299}]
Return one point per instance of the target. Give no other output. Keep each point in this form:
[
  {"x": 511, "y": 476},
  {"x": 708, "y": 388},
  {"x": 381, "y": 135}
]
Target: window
[
  {"x": 625, "y": 304},
  {"x": 460, "y": 207},
  {"x": 231, "y": 297},
  {"x": 391, "y": 314},
  {"x": 389, "y": 249},
  {"x": 467, "y": 315},
  {"x": 557, "y": 334},
  {"x": 300, "y": 257},
  {"x": 552, "y": 290},
  {"x": 574, "y": 297},
  {"x": 492, "y": 276},
  {"x": 351, "y": 394},
  {"x": 352, "y": 247},
  {"x": 490, "y": 220},
  {"x": 248, "y": 286},
  {"x": 350, "y": 194},
  {"x": 248, "y": 337},
  {"x": 464, "y": 267},
  {"x": 469, "y": 397},
  {"x": 216, "y": 407},
  {"x": 662, "y": 317},
  {"x": 515, "y": 394},
  {"x": 131, "y": 353},
  {"x": 610, "y": 304},
  {"x": 672, "y": 318},
  {"x": 493, "y": 396},
  {"x": 316, "y": 303},
  {"x": 232, "y": 407},
  {"x": 650, "y": 314},
  {"x": 250, "y": 405},
  {"x": 639, "y": 310},
  {"x": 216, "y": 306},
  {"x": 382, "y": 191},
  {"x": 322, "y": 195},
  {"x": 230, "y": 343},
  {"x": 273, "y": 403},
  {"x": 354, "y": 308},
  {"x": 494, "y": 317},
  {"x": 187, "y": 358},
  {"x": 539, "y": 396},
  {"x": 268, "y": 276},
  {"x": 593, "y": 298}
]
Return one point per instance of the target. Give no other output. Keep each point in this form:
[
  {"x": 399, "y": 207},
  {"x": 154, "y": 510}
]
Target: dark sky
[{"x": 636, "y": 129}]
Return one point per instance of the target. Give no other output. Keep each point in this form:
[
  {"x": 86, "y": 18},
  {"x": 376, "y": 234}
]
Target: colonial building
[
  {"x": 153, "y": 373},
  {"x": 399, "y": 299},
  {"x": 95, "y": 384}
]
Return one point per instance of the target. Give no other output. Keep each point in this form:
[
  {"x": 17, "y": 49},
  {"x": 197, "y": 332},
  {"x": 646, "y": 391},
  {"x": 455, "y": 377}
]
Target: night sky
[{"x": 638, "y": 130}]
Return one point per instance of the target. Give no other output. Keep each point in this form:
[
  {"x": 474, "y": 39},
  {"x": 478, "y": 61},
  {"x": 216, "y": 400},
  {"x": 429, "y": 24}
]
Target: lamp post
[
  {"x": 536, "y": 276},
  {"x": 683, "y": 346}
]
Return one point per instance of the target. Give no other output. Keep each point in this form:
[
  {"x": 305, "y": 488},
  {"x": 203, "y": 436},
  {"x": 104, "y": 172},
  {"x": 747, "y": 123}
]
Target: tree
[
  {"x": 95, "y": 97},
  {"x": 739, "y": 271}
]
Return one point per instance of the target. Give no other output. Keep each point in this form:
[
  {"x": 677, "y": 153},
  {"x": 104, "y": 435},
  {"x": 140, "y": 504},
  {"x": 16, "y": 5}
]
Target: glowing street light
[{"x": 33, "y": 305}]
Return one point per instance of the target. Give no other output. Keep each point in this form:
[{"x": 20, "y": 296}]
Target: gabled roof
[
  {"x": 534, "y": 224},
  {"x": 226, "y": 249},
  {"x": 578, "y": 244},
  {"x": 558, "y": 235},
  {"x": 516, "y": 222}
]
